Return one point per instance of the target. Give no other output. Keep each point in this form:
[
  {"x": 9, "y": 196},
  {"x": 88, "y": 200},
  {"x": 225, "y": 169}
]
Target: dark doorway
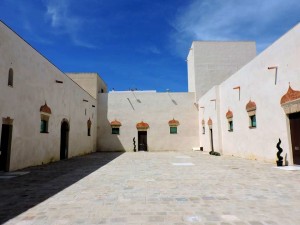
[
  {"x": 64, "y": 139},
  {"x": 142, "y": 140},
  {"x": 295, "y": 136},
  {"x": 211, "y": 139},
  {"x": 6, "y": 135}
]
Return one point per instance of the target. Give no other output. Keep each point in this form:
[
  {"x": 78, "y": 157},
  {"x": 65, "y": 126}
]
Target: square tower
[{"x": 212, "y": 62}]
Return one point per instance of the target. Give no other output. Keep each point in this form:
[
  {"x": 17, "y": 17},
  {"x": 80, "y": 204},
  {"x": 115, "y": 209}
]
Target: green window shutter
[
  {"x": 173, "y": 130},
  {"x": 115, "y": 130}
]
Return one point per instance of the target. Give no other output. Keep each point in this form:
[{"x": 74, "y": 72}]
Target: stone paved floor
[{"x": 153, "y": 188}]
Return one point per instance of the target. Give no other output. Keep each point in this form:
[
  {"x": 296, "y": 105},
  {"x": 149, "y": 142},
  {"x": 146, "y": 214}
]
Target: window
[
  {"x": 173, "y": 124},
  {"x": 115, "y": 130},
  {"x": 229, "y": 116},
  {"x": 203, "y": 130},
  {"x": 89, "y": 131},
  {"x": 253, "y": 121},
  {"x": 173, "y": 130},
  {"x": 251, "y": 109},
  {"x": 44, "y": 126},
  {"x": 45, "y": 115},
  {"x": 230, "y": 125},
  {"x": 10, "y": 77}
]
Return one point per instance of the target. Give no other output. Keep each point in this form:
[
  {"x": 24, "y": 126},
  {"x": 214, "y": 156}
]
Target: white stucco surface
[
  {"x": 90, "y": 82},
  {"x": 257, "y": 83},
  {"x": 156, "y": 109},
  {"x": 210, "y": 63},
  {"x": 34, "y": 84}
]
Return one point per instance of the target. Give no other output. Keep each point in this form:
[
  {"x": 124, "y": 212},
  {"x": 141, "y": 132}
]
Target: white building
[
  {"x": 256, "y": 106},
  {"x": 48, "y": 115}
]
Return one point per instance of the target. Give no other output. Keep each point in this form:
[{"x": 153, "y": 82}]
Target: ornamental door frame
[{"x": 290, "y": 102}]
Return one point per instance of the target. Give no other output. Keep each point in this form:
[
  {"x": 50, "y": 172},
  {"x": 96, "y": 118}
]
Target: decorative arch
[
  {"x": 142, "y": 126},
  {"x": 115, "y": 123},
  {"x": 10, "y": 77},
  {"x": 290, "y": 101},
  {"x": 251, "y": 106},
  {"x": 209, "y": 123},
  {"x": 7, "y": 120}
]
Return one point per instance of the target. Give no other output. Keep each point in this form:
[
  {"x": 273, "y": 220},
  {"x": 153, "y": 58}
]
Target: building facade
[
  {"x": 45, "y": 115},
  {"x": 256, "y": 106},
  {"x": 238, "y": 104}
]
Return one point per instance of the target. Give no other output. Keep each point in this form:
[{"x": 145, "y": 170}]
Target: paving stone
[{"x": 145, "y": 188}]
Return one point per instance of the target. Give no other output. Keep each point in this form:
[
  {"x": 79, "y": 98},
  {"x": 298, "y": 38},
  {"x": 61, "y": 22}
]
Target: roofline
[{"x": 43, "y": 56}]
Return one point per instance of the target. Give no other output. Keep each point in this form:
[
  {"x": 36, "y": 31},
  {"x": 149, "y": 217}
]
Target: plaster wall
[
  {"x": 191, "y": 70},
  {"x": 210, "y": 63},
  {"x": 90, "y": 82},
  {"x": 209, "y": 108},
  {"x": 34, "y": 84},
  {"x": 257, "y": 83},
  {"x": 156, "y": 109}
]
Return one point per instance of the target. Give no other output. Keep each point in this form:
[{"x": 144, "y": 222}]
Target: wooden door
[
  {"x": 295, "y": 136},
  {"x": 6, "y": 135},
  {"x": 142, "y": 140}
]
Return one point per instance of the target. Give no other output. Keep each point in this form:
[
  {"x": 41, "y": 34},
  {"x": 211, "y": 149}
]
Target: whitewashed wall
[
  {"x": 211, "y": 62},
  {"x": 209, "y": 108},
  {"x": 34, "y": 83},
  {"x": 258, "y": 84},
  {"x": 156, "y": 109}
]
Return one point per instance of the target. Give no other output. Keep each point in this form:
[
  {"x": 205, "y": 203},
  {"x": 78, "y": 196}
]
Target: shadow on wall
[
  {"x": 21, "y": 193},
  {"x": 105, "y": 136}
]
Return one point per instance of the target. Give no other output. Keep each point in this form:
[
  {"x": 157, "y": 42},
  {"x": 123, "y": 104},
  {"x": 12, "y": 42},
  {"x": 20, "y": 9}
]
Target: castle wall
[
  {"x": 34, "y": 83},
  {"x": 156, "y": 109},
  {"x": 210, "y": 63},
  {"x": 257, "y": 83}
]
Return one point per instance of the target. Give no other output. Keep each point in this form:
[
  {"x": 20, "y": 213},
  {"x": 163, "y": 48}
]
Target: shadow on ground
[{"x": 21, "y": 193}]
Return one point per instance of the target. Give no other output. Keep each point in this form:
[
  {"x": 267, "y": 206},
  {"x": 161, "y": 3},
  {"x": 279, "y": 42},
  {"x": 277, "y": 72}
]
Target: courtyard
[{"x": 151, "y": 188}]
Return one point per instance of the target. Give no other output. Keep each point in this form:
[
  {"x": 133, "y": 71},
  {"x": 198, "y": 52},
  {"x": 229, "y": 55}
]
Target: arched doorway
[{"x": 64, "y": 139}]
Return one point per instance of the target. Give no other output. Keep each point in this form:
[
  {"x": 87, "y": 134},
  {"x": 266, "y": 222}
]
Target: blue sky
[{"x": 138, "y": 43}]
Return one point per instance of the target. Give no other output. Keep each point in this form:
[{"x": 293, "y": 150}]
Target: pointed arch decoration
[{"x": 290, "y": 101}]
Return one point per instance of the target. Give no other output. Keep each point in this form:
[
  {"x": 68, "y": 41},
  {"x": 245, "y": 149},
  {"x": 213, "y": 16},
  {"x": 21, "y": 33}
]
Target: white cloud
[
  {"x": 63, "y": 21},
  {"x": 258, "y": 20}
]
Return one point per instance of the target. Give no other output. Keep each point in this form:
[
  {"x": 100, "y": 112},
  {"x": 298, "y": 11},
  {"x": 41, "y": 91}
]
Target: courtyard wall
[
  {"x": 34, "y": 84},
  {"x": 265, "y": 87},
  {"x": 156, "y": 109}
]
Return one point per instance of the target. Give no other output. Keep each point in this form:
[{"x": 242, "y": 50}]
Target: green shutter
[
  {"x": 173, "y": 130},
  {"x": 115, "y": 130}
]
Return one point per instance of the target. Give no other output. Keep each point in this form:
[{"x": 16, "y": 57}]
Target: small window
[
  {"x": 252, "y": 121},
  {"x": 203, "y": 130},
  {"x": 89, "y": 131},
  {"x": 173, "y": 130},
  {"x": 102, "y": 91},
  {"x": 230, "y": 125},
  {"x": 85, "y": 111},
  {"x": 44, "y": 126},
  {"x": 10, "y": 77},
  {"x": 115, "y": 130}
]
